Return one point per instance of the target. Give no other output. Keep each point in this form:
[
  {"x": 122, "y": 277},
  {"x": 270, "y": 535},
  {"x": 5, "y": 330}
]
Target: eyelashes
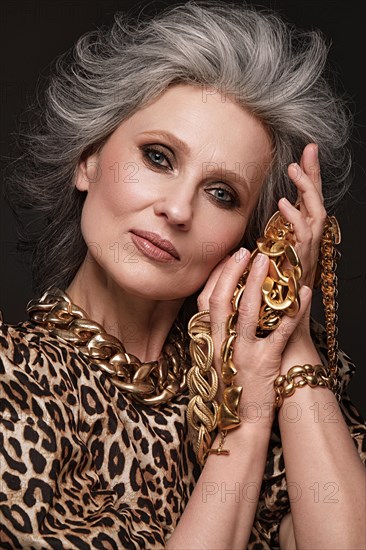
[
  {"x": 230, "y": 201},
  {"x": 154, "y": 157}
]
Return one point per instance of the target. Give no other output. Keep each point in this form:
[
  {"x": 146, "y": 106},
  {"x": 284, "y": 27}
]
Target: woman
[{"x": 163, "y": 148}]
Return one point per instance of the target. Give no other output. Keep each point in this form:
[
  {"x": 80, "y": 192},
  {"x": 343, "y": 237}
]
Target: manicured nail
[
  {"x": 296, "y": 167},
  {"x": 305, "y": 291},
  {"x": 286, "y": 202},
  {"x": 260, "y": 259},
  {"x": 240, "y": 254}
]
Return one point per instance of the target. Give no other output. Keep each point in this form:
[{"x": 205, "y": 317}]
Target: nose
[{"x": 176, "y": 205}]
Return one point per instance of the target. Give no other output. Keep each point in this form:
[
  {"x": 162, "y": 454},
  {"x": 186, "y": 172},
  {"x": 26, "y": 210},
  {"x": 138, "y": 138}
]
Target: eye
[
  {"x": 225, "y": 197},
  {"x": 154, "y": 156}
]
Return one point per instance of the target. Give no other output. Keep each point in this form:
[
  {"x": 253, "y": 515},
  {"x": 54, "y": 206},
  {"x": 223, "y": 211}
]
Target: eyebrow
[{"x": 219, "y": 172}]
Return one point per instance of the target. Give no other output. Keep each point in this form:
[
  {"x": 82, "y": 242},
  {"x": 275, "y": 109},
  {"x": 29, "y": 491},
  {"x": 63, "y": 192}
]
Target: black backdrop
[{"x": 34, "y": 32}]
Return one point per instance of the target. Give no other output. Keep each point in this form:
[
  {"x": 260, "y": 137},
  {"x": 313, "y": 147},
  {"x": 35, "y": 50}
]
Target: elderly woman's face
[{"x": 187, "y": 168}]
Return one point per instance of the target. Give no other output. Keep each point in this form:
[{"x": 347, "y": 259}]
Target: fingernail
[
  {"x": 296, "y": 167},
  {"x": 240, "y": 254},
  {"x": 286, "y": 202},
  {"x": 306, "y": 290},
  {"x": 316, "y": 151},
  {"x": 260, "y": 258}
]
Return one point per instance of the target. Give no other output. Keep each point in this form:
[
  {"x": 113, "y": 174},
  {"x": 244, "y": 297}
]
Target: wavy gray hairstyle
[{"x": 273, "y": 71}]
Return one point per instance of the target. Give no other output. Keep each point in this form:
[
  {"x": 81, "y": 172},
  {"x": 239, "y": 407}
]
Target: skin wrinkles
[{"x": 118, "y": 285}]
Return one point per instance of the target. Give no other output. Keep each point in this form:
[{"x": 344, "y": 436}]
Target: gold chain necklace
[{"x": 151, "y": 382}]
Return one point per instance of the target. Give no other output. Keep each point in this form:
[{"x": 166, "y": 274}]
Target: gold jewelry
[
  {"x": 319, "y": 375},
  {"x": 228, "y": 413},
  {"x": 151, "y": 383},
  {"x": 280, "y": 290},
  {"x": 220, "y": 449},
  {"x": 328, "y": 256},
  {"x": 202, "y": 382},
  {"x": 300, "y": 376},
  {"x": 280, "y": 295}
]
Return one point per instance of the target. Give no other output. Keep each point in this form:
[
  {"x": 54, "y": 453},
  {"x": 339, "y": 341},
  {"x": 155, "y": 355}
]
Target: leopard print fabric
[{"x": 84, "y": 467}]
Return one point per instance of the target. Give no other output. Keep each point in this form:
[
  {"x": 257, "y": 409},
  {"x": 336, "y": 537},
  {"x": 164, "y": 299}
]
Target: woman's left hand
[{"x": 308, "y": 220}]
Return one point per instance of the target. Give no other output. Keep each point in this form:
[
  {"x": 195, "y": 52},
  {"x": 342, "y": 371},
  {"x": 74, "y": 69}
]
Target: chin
[{"x": 149, "y": 288}]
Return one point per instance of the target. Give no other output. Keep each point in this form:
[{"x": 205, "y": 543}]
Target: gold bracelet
[
  {"x": 228, "y": 412},
  {"x": 220, "y": 449},
  {"x": 202, "y": 381},
  {"x": 299, "y": 376}
]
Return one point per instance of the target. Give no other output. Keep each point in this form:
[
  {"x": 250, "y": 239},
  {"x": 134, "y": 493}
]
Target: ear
[{"x": 87, "y": 172}]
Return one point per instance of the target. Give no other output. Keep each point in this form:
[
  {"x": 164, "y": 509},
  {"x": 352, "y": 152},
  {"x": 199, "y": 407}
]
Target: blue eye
[
  {"x": 156, "y": 157},
  {"x": 223, "y": 196}
]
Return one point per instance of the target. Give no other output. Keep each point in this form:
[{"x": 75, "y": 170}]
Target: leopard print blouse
[{"x": 84, "y": 467}]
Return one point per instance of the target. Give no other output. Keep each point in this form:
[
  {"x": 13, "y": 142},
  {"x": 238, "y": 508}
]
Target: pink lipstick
[{"x": 153, "y": 246}]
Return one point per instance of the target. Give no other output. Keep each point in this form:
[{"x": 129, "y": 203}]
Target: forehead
[{"x": 205, "y": 119}]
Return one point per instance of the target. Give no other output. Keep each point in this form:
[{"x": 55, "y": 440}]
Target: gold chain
[
  {"x": 299, "y": 376},
  {"x": 318, "y": 375},
  {"x": 328, "y": 261},
  {"x": 280, "y": 290},
  {"x": 202, "y": 383},
  {"x": 279, "y": 296},
  {"x": 151, "y": 383}
]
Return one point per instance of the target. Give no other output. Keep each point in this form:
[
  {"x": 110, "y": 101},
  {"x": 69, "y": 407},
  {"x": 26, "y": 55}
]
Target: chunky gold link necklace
[{"x": 151, "y": 383}]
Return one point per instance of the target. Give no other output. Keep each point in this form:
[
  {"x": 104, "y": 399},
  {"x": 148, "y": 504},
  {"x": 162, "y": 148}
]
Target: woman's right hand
[{"x": 257, "y": 360}]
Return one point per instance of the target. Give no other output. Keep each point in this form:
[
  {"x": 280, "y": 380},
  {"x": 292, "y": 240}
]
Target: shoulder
[
  {"x": 32, "y": 357},
  {"x": 22, "y": 340},
  {"x": 24, "y": 332},
  {"x": 17, "y": 342}
]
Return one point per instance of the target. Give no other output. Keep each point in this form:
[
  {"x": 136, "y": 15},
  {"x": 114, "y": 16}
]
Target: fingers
[
  {"x": 308, "y": 220},
  {"x": 310, "y": 195},
  {"x": 219, "y": 298},
  {"x": 296, "y": 217},
  {"x": 252, "y": 297},
  {"x": 288, "y": 325},
  {"x": 307, "y": 179},
  {"x": 203, "y": 298},
  {"x": 310, "y": 165},
  {"x": 248, "y": 312}
]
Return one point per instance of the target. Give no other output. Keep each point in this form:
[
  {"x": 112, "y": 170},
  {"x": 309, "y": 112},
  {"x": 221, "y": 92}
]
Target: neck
[{"x": 141, "y": 324}]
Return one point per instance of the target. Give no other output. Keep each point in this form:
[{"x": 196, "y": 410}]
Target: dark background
[{"x": 34, "y": 32}]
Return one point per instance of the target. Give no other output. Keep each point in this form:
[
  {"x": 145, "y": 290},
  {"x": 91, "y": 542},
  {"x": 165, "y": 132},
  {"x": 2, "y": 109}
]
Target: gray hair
[{"x": 273, "y": 70}]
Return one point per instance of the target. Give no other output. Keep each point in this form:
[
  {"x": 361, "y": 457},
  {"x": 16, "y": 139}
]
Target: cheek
[
  {"x": 105, "y": 204},
  {"x": 224, "y": 235},
  {"x": 223, "y": 238},
  {"x": 97, "y": 225},
  {"x": 128, "y": 190}
]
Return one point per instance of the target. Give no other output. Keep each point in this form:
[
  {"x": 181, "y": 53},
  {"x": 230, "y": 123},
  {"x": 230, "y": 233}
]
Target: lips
[{"x": 156, "y": 240}]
